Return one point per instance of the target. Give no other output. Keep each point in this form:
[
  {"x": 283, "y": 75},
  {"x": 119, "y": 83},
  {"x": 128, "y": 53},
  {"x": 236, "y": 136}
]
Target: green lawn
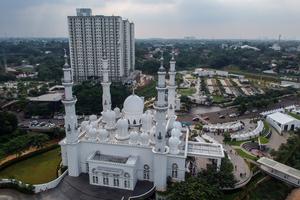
[
  {"x": 35, "y": 170},
  {"x": 294, "y": 115},
  {"x": 245, "y": 155},
  {"x": 218, "y": 99},
  {"x": 238, "y": 143},
  {"x": 187, "y": 91},
  {"x": 263, "y": 140}
]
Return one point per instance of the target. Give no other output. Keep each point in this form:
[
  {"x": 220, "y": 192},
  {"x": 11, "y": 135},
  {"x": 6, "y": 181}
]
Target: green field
[
  {"x": 34, "y": 170},
  {"x": 263, "y": 140},
  {"x": 218, "y": 99},
  {"x": 187, "y": 91},
  {"x": 245, "y": 155},
  {"x": 294, "y": 115}
]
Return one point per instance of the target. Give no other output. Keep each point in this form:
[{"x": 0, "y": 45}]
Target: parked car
[
  {"x": 196, "y": 119},
  {"x": 221, "y": 116}
]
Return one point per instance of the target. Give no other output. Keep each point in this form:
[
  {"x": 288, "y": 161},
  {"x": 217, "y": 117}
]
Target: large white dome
[{"x": 133, "y": 105}]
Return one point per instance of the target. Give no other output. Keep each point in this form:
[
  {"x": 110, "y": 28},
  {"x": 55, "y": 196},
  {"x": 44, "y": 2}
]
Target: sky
[{"x": 204, "y": 19}]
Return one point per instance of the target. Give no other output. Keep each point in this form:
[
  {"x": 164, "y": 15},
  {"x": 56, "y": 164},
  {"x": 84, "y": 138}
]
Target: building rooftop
[
  {"x": 51, "y": 97},
  {"x": 281, "y": 118},
  {"x": 205, "y": 149},
  {"x": 280, "y": 167},
  {"x": 130, "y": 160}
]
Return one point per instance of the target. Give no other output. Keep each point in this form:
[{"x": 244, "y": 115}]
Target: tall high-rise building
[{"x": 96, "y": 37}]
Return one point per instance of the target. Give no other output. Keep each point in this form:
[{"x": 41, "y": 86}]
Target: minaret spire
[
  {"x": 172, "y": 88},
  {"x": 161, "y": 108},
  {"x": 106, "y": 96},
  {"x": 160, "y": 150},
  {"x": 71, "y": 124}
]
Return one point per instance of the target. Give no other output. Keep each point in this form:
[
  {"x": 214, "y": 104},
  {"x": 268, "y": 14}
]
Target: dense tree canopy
[
  {"x": 206, "y": 185},
  {"x": 8, "y": 123},
  {"x": 89, "y": 96}
]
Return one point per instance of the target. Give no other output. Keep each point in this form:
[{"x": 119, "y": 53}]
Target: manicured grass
[
  {"x": 266, "y": 125},
  {"x": 263, "y": 140},
  {"x": 34, "y": 170},
  {"x": 245, "y": 155},
  {"x": 187, "y": 91},
  {"x": 294, "y": 115},
  {"x": 218, "y": 99},
  {"x": 238, "y": 143}
]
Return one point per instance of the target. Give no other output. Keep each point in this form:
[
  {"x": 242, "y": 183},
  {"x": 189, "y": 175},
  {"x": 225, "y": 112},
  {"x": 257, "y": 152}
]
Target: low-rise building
[{"x": 283, "y": 122}]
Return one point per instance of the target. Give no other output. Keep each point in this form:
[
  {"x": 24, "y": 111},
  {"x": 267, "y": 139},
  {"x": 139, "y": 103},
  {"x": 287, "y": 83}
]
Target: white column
[
  {"x": 106, "y": 97},
  {"x": 160, "y": 150},
  {"x": 161, "y": 109},
  {"x": 71, "y": 124},
  {"x": 172, "y": 88},
  {"x": 218, "y": 164}
]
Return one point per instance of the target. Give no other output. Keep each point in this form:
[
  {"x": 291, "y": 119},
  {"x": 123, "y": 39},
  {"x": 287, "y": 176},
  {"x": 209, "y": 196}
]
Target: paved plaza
[{"x": 78, "y": 189}]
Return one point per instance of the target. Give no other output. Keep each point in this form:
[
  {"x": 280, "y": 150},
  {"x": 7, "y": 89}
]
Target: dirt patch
[{"x": 294, "y": 195}]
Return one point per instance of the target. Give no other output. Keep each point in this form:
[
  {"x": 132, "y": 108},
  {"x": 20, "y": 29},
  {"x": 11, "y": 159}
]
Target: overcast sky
[{"x": 210, "y": 19}]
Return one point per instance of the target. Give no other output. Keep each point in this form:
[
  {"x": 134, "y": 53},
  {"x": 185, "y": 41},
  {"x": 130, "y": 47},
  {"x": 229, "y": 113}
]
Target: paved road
[
  {"x": 78, "y": 188},
  {"x": 276, "y": 139},
  {"x": 239, "y": 164}
]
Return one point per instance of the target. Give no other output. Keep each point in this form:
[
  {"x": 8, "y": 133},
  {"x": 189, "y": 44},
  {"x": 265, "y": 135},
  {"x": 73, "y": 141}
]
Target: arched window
[
  {"x": 174, "y": 170},
  {"x": 126, "y": 180},
  {"x": 146, "y": 172},
  {"x": 116, "y": 180},
  {"x": 105, "y": 179}
]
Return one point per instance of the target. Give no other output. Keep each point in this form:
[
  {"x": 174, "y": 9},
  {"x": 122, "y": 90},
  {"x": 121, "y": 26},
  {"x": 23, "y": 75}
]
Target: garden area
[
  {"x": 187, "y": 91},
  {"x": 38, "y": 169}
]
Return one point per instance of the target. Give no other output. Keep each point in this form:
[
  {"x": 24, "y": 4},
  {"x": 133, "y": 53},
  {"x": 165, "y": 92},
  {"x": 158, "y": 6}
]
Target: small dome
[
  {"x": 122, "y": 123},
  {"x": 176, "y": 132},
  {"x": 134, "y": 136},
  {"x": 103, "y": 134},
  {"x": 133, "y": 105},
  {"x": 93, "y": 118},
  {"x": 94, "y": 124},
  {"x": 92, "y": 133},
  {"x": 84, "y": 125},
  {"x": 173, "y": 141},
  {"x": 177, "y": 125},
  {"x": 145, "y": 138},
  {"x": 117, "y": 110},
  {"x": 111, "y": 114}
]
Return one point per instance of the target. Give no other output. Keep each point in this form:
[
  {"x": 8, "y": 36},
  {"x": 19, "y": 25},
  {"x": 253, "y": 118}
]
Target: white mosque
[{"x": 124, "y": 146}]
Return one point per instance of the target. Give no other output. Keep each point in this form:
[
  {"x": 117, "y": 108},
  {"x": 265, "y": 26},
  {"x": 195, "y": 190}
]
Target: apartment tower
[{"x": 94, "y": 38}]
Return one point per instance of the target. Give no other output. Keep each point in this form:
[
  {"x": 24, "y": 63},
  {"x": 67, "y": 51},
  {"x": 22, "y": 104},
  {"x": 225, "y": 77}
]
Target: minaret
[
  {"x": 160, "y": 150},
  {"x": 106, "y": 97},
  {"x": 71, "y": 125},
  {"x": 172, "y": 88}
]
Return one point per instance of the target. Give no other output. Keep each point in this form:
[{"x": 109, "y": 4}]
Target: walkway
[
  {"x": 78, "y": 188},
  {"x": 239, "y": 164},
  {"x": 276, "y": 139}
]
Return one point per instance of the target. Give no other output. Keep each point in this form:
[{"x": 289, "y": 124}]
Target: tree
[
  {"x": 206, "y": 185},
  {"x": 8, "y": 123},
  {"x": 194, "y": 189},
  {"x": 38, "y": 140},
  {"x": 227, "y": 137},
  {"x": 242, "y": 108}
]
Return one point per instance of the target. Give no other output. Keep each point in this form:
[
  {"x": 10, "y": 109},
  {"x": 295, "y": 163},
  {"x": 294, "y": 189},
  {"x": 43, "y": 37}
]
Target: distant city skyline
[{"x": 203, "y": 19}]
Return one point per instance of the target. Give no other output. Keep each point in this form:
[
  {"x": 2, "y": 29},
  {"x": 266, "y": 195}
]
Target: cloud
[{"x": 159, "y": 18}]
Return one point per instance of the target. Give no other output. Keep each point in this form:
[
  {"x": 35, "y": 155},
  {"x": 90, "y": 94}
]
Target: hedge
[{"x": 21, "y": 187}]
